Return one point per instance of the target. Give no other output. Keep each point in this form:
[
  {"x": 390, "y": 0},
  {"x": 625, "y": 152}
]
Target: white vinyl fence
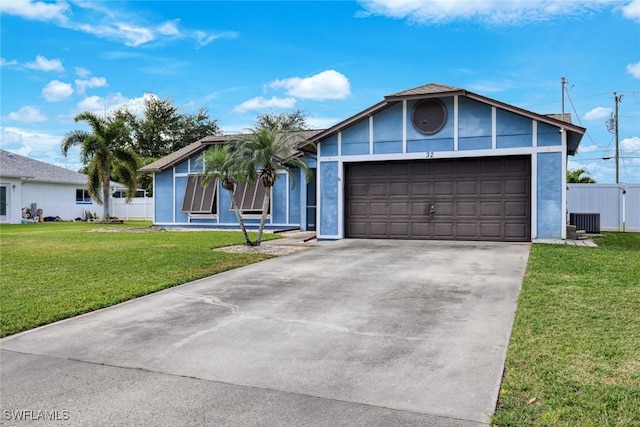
[
  {"x": 139, "y": 208},
  {"x": 617, "y": 204}
]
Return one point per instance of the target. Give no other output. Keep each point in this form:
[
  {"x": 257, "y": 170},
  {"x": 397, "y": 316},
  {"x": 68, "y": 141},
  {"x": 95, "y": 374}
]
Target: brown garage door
[{"x": 453, "y": 199}]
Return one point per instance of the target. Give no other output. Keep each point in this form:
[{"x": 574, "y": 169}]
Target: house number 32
[{"x": 429, "y": 154}]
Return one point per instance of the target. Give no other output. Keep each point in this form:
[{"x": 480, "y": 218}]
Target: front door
[{"x": 4, "y": 203}]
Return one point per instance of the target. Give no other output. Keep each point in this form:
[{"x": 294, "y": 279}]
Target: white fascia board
[{"x": 434, "y": 155}]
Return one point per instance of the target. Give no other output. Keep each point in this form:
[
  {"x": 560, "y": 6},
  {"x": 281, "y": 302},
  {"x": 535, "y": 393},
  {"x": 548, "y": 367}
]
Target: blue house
[
  {"x": 432, "y": 162},
  {"x": 181, "y": 200},
  {"x": 440, "y": 162}
]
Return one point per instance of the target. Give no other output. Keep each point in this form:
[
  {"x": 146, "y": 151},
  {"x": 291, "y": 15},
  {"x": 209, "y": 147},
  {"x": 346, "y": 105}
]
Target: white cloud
[
  {"x": 56, "y": 90},
  {"x": 328, "y": 84},
  {"x": 630, "y": 145},
  {"x": 169, "y": 28},
  {"x": 5, "y": 63},
  {"x": 634, "y": 70},
  {"x": 82, "y": 85},
  {"x": 598, "y": 113},
  {"x": 108, "y": 104},
  {"x": 260, "y": 103},
  {"x": 43, "y": 64},
  {"x": 131, "y": 35},
  {"x": 27, "y": 114},
  {"x": 493, "y": 12},
  {"x": 36, "y": 10},
  {"x": 632, "y": 10},
  {"x": 322, "y": 123},
  {"x": 82, "y": 72}
]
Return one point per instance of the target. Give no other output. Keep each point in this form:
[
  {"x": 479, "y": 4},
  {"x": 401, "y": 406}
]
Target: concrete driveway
[{"x": 352, "y": 332}]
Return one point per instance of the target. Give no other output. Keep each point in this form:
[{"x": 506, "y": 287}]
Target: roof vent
[{"x": 429, "y": 116}]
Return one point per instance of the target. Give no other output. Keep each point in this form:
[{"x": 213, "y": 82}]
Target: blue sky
[{"x": 330, "y": 59}]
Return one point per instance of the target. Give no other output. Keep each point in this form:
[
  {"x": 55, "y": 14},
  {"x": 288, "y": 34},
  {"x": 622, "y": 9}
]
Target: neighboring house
[
  {"x": 27, "y": 183},
  {"x": 433, "y": 162},
  {"x": 181, "y": 201}
]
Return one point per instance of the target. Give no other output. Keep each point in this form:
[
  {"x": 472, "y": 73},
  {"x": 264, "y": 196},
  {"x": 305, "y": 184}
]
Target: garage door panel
[
  {"x": 472, "y": 199},
  {"x": 400, "y": 209},
  {"x": 399, "y": 189},
  {"x": 379, "y": 209},
  {"x": 489, "y": 209},
  {"x": 379, "y": 189}
]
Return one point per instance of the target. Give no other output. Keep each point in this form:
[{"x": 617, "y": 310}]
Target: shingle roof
[
  {"x": 198, "y": 146},
  {"x": 17, "y": 166},
  {"x": 433, "y": 90}
]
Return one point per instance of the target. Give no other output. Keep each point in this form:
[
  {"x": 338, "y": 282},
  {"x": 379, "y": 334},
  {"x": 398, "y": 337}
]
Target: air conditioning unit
[{"x": 589, "y": 222}]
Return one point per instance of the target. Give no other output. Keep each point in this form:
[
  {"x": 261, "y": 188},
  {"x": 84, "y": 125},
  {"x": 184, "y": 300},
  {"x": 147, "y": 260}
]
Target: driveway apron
[{"x": 351, "y": 332}]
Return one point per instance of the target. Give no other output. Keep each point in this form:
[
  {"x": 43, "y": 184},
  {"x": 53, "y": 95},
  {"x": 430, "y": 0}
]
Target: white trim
[
  {"x": 534, "y": 196},
  {"x": 286, "y": 198},
  {"x": 442, "y": 154},
  {"x": 455, "y": 123},
  {"x": 202, "y": 216},
  {"x": 404, "y": 126},
  {"x": 250, "y": 227},
  {"x": 563, "y": 217},
  {"x": 318, "y": 194},
  {"x": 494, "y": 128},
  {"x": 341, "y": 199},
  {"x": 370, "y": 134},
  {"x": 534, "y": 133},
  {"x": 173, "y": 204},
  {"x": 339, "y": 143}
]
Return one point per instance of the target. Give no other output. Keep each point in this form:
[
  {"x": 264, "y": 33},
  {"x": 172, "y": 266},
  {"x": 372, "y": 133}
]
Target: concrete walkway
[{"x": 353, "y": 332}]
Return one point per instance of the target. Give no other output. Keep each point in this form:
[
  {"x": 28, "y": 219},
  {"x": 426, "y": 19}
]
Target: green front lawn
[
  {"x": 574, "y": 355},
  {"x": 51, "y": 271}
]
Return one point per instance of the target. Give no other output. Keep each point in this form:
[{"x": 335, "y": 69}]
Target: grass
[
  {"x": 52, "y": 271},
  {"x": 574, "y": 354}
]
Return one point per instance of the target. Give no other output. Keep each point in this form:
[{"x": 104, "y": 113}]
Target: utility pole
[
  {"x": 563, "y": 81},
  {"x": 617, "y": 98}
]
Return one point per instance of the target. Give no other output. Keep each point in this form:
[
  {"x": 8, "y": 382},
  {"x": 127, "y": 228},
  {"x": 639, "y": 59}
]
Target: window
[
  {"x": 82, "y": 196},
  {"x": 249, "y": 198},
  {"x": 197, "y": 198}
]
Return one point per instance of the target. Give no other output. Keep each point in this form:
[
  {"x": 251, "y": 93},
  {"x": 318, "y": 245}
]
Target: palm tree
[
  {"x": 219, "y": 165},
  {"x": 104, "y": 151},
  {"x": 574, "y": 176},
  {"x": 263, "y": 154}
]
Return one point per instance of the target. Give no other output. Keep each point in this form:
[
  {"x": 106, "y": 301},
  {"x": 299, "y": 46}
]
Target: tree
[
  {"x": 574, "y": 176},
  {"x": 283, "y": 122},
  {"x": 263, "y": 154},
  {"x": 103, "y": 151},
  {"x": 219, "y": 165},
  {"x": 163, "y": 129}
]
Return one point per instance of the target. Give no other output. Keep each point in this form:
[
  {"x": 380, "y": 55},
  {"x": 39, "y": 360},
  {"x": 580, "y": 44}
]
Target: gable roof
[
  {"x": 437, "y": 90},
  {"x": 202, "y": 144},
  {"x": 17, "y": 166}
]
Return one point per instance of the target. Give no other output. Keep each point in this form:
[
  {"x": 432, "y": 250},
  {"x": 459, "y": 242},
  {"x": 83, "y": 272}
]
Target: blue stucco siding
[
  {"x": 328, "y": 173},
  {"x": 225, "y": 213},
  {"x": 279, "y": 200},
  {"x": 181, "y": 185},
  {"x": 440, "y": 141},
  {"x": 355, "y": 139},
  {"x": 513, "y": 130},
  {"x": 182, "y": 167},
  {"x": 163, "y": 196},
  {"x": 474, "y": 125},
  {"x": 387, "y": 130},
  {"x": 329, "y": 146},
  {"x": 550, "y": 211},
  {"x": 548, "y": 135}
]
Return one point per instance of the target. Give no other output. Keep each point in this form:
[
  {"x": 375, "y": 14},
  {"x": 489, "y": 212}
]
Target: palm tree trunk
[
  {"x": 106, "y": 199},
  {"x": 265, "y": 210},
  {"x": 234, "y": 206}
]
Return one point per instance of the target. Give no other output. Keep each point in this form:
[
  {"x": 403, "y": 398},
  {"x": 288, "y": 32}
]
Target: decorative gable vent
[{"x": 429, "y": 116}]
